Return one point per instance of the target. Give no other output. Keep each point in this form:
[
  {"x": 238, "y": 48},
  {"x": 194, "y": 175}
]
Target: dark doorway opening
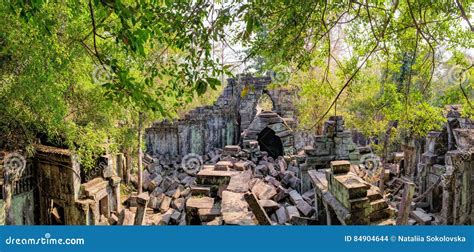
[{"x": 270, "y": 142}]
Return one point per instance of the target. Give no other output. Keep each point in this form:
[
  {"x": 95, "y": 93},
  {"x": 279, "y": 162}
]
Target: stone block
[
  {"x": 240, "y": 183},
  {"x": 165, "y": 204},
  {"x": 242, "y": 165},
  {"x": 282, "y": 216},
  {"x": 257, "y": 209},
  {"x": 292, "y": 211},
  {"x": 282, "y": 193},
  {"x": 295, "y": 197},
  {"x": 263, "y": 191},
  {"x": 155, "y": 202},
  {"x": 223, "y": 166},
  {"x": 346, "y": 187},
  {"x": 207, "y": 215},
  {"x": 178, "y": 204},
  {"x": 231, "y": 150},
  {"x": 269, "y": 205},
  {"x": 200, "y": 190},
  {"x": 305, "y": 208},
  {"x": 378, "y": 205},
  {"x": 200, "y": 202},
  {"x": 340, "y": 166}
]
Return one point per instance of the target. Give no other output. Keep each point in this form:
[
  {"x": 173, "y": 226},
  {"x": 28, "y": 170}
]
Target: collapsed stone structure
[
  {"x": 57, "y": 193},
  {"x": 228, "y": 164},
  {"x": 272, "y": 134},
  {"x": 206, "y": 128},
  {"x": 445, "y": 174}
]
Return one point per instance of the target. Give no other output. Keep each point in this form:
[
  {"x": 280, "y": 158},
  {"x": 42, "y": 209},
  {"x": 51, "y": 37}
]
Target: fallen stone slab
[
  {"x": 207, "y": 215},
  {"x": 301, "y": 221},
  {"x": 186, "y": 192},
  {"x": 154, "y": 183},
  {"x": 233, "y": 202},
  {"x": 200, "y": 202},
  {"x": 273, "y": 181},
  {"x": 263, "y": 190},
  {"x": 155, "y": 219},
  {"x": 223, "y": 166},
  {"x": 242, "y": 165},
  {"x": 239, "y": 218},
  {"x": 308, "y": 196},
  {"x": 175, "y": 217},
  {"x": 215, "y": 222},
  {"x": 113, "y": 220},
  {"x": 257, "y": 209},
  {"x": 213, "y": 177},
  {"x": 200, "y": 190},
  {"x": 155, "y": 201},
  {"x": 166, "y": 217},
  {"x": 269, "y": 205},
  {"x": 421, "y": 217}
]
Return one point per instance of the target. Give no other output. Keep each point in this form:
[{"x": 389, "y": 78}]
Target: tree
[
  {"x": 396, "y": 33},
  {"x": 78, "y": 73}
]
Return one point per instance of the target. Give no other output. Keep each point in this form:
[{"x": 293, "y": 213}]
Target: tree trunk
[
  {"x": 140, "y": 154},
  {"x": 8, "y": 192},
  {"x": 128, "y": 166}
]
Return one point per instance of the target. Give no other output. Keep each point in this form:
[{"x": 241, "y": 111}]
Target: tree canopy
[{"x": 77, "y": 73}]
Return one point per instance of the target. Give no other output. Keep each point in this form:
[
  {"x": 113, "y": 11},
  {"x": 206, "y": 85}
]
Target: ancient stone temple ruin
[
  {"x": 53, "y": 191},
  {"x": 206, "y": 128},
  {"x": 256, "y": 168},
  {"x": 233, "y": 164}
]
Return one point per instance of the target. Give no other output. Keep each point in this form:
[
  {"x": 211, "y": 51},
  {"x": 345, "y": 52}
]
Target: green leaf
[
  {"x": 201, "y": 87},
  {"x": 213, "y": 82}
]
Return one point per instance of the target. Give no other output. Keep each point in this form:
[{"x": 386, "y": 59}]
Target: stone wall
[
  {"x": 59, "y": 182},
  {"x": 62, "y": 197},
  {"x": 446, "y": 171},
  {"x": 24, "y": 196},
  {"x": 208, "y": 127}
]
